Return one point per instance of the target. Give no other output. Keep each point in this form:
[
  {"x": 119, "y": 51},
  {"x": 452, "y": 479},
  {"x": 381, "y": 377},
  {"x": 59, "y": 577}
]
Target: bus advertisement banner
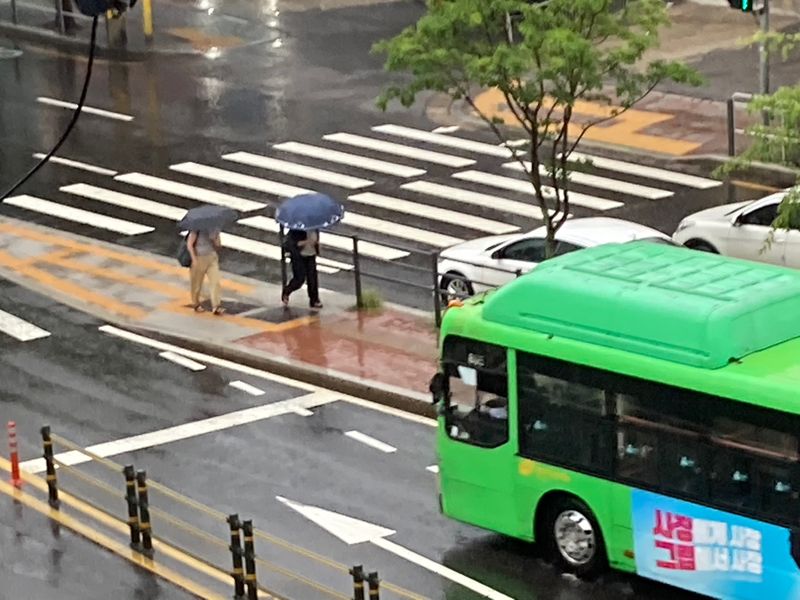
[{"x": 710, "y": 551}]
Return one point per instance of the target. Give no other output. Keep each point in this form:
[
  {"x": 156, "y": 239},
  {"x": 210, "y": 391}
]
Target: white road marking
[
  {"x": 303, "y": 412},
  {"x": 303, "y": 171},
  {"x": 354, "y": 531},
  {"x": 77, "y": 215},
  {"x": 67, "y": 162},
  {"x": 447, "y": 129},
  {"x": 353, "y": 160},
  {"x": 188, "y": 430},
  {"x": 648, "y": 172},
  {"x": 432, "y": 212},
  {"x": 369, "y": 143},
  {"x": 182, "y": 361},
  {"x": 516, "y": 143},
  {"x": 339, "y": 242},
  {"x": 400, "y": 231},
  {"x": 247, "y": 388},
  {"x": 243, "y": 244},
  {"x": 603, "y": 183},
  {"x": 189, "y": 191},
  {"x": 370, "y": 441},
  {"x": 525, "y": 187},
  {"x": 165, "y": 211},
  {"x": 444, "y": 140},
  {"x": 238, "y": 179},
  {"x": 87, "y": 109},
  {"x": 524, "y": 209},
  {"x": 20, "y": 329},
  {"x": 433, "y": 468}
]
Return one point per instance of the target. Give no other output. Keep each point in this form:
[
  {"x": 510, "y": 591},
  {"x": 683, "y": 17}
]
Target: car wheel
[
  {"x": 573, "y": 538},
  {"x": 455, "y": 286},
  {"x": 701, "y": 246}
]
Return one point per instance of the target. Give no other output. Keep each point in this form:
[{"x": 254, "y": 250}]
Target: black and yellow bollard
[
  {"x": 374, "y": 586},
  {"x": 358, "y": 582},
  {"x": 236, "y": 552},
  {"x": 250, "y": 561},
  {"x": 144, "y": 513},
  {"x": 133, "y": 511},
  {"x": 52, "y": 482}
]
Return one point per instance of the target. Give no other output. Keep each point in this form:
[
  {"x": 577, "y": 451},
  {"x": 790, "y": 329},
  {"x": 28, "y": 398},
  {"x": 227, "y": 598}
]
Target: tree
[{"x": 564, "y": 51}]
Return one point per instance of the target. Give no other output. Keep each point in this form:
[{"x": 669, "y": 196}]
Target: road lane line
[
  {"x": 302, "y": 171},
  {"x": 393, "y": 229},
  {"x": 303, "y": 412},
  {"x": 444, "y": 140},
  {"x": 20, "y": 329},
  {"x": 87, "y": 109},
  {"x": 240, "y": 180},
  {"x": 500, "y": 203},
  {"x": 630, "y": 168},
  {"x": 187, "y": 430},
  {"x": 602, "y": 183},
  {"x": 143, "y": 205},
  {"x": 182, "y": 361},
  {"x": 76, "y": 164},
  {"x": 525, "y": 187},
  {"x": 433, "y": 468},
  {"x": 369, "y": 143},
  {"x": 353, "y": 160},
  {"x": 370, "y": 441},
  {"x": 432, "y": 212},
  {"x": 189, "y": 191},
  {"x": 77, "y": 215},
  {"x": 247, "y": 388},
  {"x": 340, "y": 242}
]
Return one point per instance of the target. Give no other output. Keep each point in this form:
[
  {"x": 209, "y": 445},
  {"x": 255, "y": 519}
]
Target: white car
[
  {"x": 489, "y": 262},
  {"x": 741, "y": 230}
]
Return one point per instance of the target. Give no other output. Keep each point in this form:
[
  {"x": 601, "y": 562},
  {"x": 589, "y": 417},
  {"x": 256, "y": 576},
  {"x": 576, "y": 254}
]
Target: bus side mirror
[{"x": 437, "y": 386}]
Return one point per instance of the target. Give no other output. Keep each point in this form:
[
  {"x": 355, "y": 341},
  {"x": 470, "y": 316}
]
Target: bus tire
[{"x": 572, "y": 538}]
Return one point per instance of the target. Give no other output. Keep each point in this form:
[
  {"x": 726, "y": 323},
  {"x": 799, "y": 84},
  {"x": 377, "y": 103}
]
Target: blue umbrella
[
  {"x": 309, "y": 211},
  {"x": 207, "y": 218}
]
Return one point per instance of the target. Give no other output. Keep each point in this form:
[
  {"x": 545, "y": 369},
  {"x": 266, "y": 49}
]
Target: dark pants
[{"x": 304, "y": 269}]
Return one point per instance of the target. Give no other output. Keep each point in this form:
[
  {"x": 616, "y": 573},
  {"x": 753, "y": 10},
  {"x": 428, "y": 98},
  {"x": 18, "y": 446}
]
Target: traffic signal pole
[{"x": 763, "y": 56}]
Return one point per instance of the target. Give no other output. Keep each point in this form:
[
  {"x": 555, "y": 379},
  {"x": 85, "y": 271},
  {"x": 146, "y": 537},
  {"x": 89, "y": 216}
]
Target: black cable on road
[{"x": 72, "y": 123}]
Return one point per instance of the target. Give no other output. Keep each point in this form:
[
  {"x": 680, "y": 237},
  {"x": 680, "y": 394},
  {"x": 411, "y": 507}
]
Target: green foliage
[
  {"x": 371, "y": 301},
  {"x": 564, "y": 51}
]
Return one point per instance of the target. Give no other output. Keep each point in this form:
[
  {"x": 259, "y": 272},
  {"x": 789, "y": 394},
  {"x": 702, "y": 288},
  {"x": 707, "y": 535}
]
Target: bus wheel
[{"x": 574, "y": 538}]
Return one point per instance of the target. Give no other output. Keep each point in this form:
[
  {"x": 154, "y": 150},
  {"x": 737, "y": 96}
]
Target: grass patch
[{"x": 371, "y": 301}]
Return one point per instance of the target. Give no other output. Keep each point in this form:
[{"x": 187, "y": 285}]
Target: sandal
[
  {"x": 198, "y": 308},
  {"x": 219, "y": 311}
]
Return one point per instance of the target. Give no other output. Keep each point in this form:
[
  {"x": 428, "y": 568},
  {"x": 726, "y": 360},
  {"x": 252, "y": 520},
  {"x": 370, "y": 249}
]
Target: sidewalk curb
[
  {"x": 770, "y": 174},
  {"x": 52, "y": 39},
  {"x": 344, "y": 383}
]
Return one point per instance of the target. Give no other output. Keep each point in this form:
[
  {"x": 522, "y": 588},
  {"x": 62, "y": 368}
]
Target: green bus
[{"x": 634, "y": 406}]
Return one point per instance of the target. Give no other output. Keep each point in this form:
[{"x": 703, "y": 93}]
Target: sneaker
[
  {"x": 316, "y": 305},
  {"x": 285, "y": 299}
]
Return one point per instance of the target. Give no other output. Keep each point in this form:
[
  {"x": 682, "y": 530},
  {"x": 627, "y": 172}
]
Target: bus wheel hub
[{"x": 574, "y": 537}]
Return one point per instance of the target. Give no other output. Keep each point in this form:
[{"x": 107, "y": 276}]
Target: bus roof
[{"x": 655, "y": 300}]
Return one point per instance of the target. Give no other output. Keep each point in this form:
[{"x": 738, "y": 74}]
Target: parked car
[
  {"x": 488, "y": 262},
  {"x": 741, "y": 230}
]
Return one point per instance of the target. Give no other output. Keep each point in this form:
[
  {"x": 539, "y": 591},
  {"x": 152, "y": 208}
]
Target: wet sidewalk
[{"x": 387, "y": 355}]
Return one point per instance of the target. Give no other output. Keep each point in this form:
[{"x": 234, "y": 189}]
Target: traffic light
[
  {"x": 742, "y": 5},
  {"x": 94, "y": 8}
]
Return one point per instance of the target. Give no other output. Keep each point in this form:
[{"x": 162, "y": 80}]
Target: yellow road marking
[
  {"x": 265, "y": 326},
  {"x": 755, "y": 186}
]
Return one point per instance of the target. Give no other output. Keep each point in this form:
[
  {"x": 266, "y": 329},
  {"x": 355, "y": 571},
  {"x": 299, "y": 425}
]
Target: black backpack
[{"x": 184, "y": 257}]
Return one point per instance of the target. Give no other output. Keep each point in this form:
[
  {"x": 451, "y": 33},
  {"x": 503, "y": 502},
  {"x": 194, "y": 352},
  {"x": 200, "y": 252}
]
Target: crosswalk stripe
[
  {"x": 248, "y": 246},
  {"x": 239, "y": 179},
  {"x": 630, "y": 168},
  {"x": 603, "y": 183},
  {"x": 525, "y": 187},
  {"x": 353, "y": 160},
  {"x": 20, "y": 329},
  {"x": 77, "y": 215},
  {"x": 369, "y": 143},
  {"x": 444, "y": 140},
  {"x": 400, "y": 231},
  {"x": 76, "y": 164},
  {"x": 339, "y": 242},
  {"x": 87, "y": 109},
  {"x": 432, "y": 212},
  {"x": 524, "y": 209},
  {"x": 165, "y": 211},
  {"x": 191, "y": 192},
  {"x": 303, "y": 171}
]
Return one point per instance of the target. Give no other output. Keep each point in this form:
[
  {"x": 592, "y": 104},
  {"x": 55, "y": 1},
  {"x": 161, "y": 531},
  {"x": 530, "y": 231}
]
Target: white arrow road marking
[{"x": 354, "y": 531}]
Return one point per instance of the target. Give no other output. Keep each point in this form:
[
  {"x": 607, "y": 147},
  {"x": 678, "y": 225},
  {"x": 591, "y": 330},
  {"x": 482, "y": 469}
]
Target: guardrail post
[
  {"x": 236, "y": 553},
  {"x": 282, "y": 239},
  {"x": 13, "y": 450},
  {"x": 358, "y": 582},
  {"x": 437, "y": 295},
  {"x": 731, "y": 127},
  {"x": 60, "y": 17},
  {"x": 133, "y": 508},
  {"x": 250, "y": 561},
  {"x": 14, "y": 11},
  {"x": 357, "y": 273},
  {"x": 144, "y": 513},
  {"x": 374, "y": 586},
  {"x": 147, "y": 20},
  {"x": 52, "y": 482}
]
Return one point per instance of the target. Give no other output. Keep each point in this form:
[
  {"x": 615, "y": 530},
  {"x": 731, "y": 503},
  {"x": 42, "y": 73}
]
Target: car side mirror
[
  {"x": 437, "y": 386},
  {"x": 737, "y": 220},
  {"x": 497, "y": 254}
]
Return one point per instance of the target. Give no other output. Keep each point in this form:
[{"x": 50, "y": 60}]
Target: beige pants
[{"x": 207, "y": 265}]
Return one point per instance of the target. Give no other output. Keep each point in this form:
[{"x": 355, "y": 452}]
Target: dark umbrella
[
  {"x": 208, "y": 218},
  {"x": 309, "y": 211}
]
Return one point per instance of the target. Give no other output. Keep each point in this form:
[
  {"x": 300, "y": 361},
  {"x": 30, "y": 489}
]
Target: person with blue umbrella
[{"x": 305, "y": 215}]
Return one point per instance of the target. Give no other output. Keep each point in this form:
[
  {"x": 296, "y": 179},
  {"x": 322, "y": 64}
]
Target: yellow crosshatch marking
[{"x": 623, "y": 130}]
